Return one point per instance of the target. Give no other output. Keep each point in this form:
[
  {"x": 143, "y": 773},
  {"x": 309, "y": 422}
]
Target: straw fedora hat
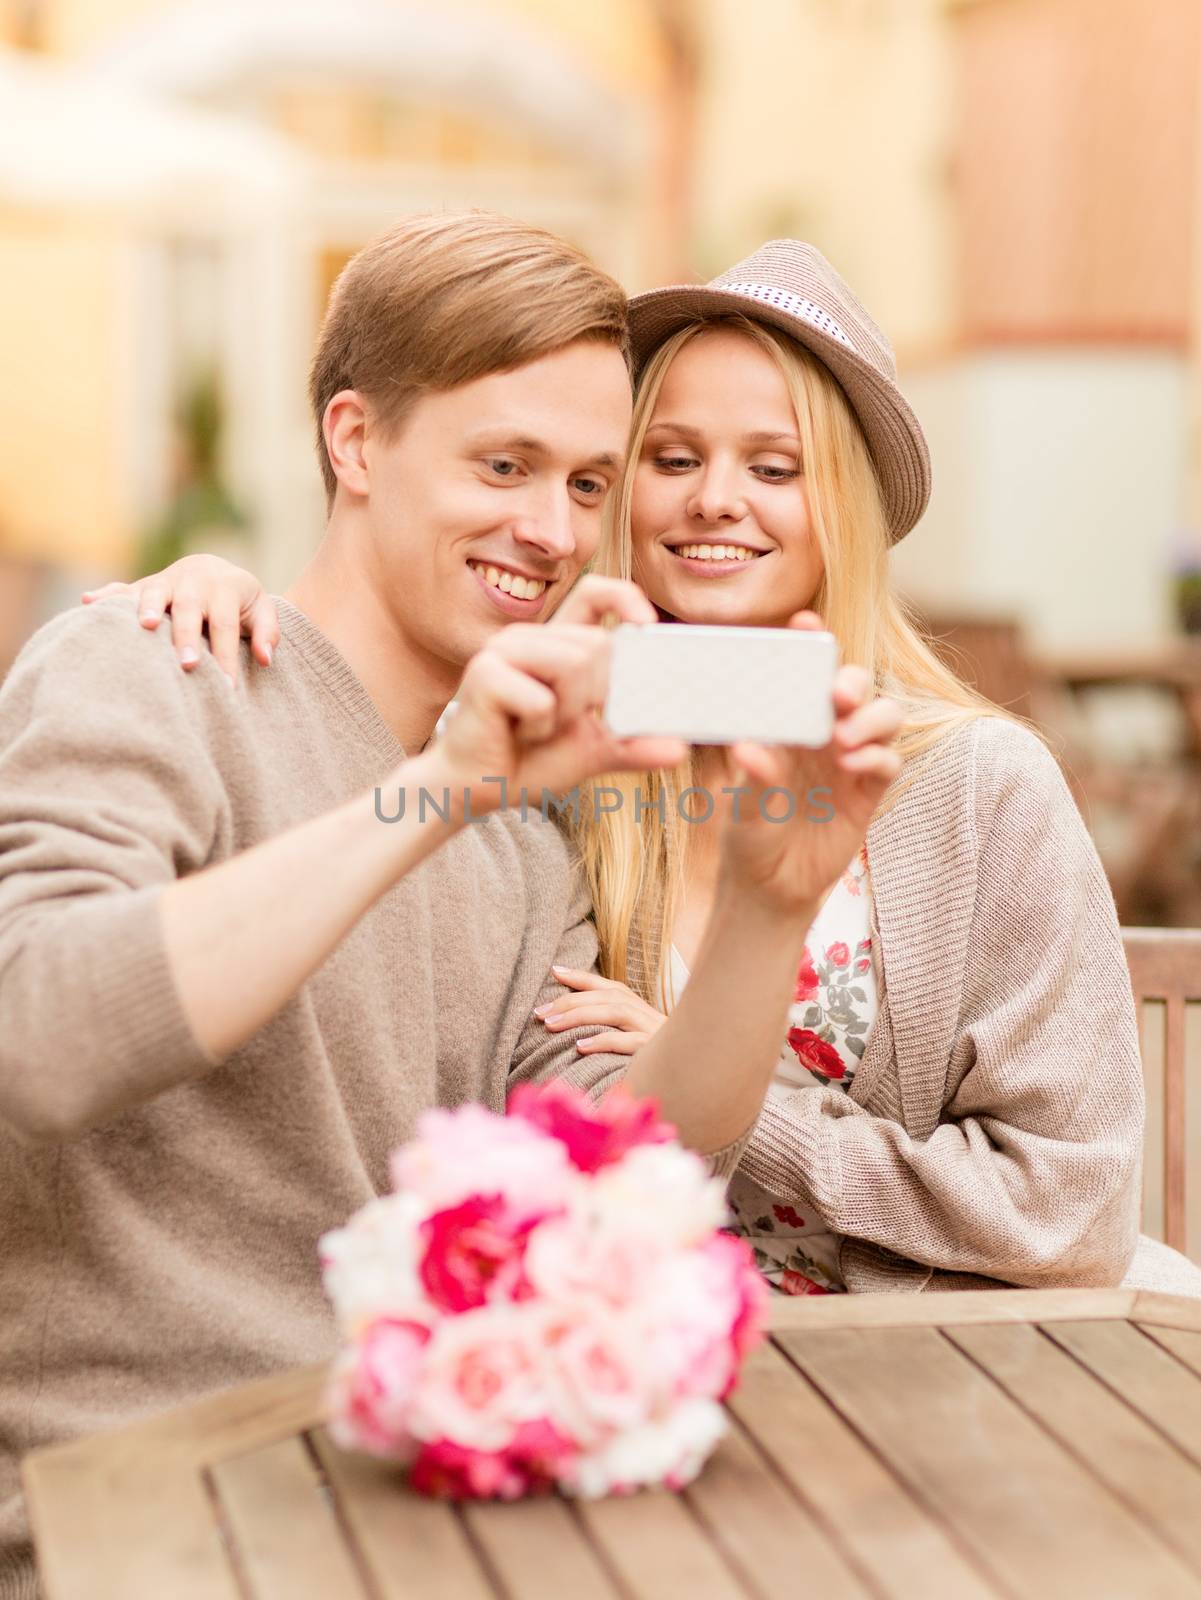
[{"x": 794, "y": 288}]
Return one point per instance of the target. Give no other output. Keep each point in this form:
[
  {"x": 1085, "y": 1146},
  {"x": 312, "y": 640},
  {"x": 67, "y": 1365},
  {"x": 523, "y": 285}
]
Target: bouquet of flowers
[{"x": 546, "y": 1300}]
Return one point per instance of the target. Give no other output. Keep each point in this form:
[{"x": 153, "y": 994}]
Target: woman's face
[{"x": 720, "y": 522}]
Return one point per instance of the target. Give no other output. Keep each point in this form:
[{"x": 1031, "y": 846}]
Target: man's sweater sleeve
[
  {"x": 1032, "y": 1175},
  {"x": 108, "y": 792}
]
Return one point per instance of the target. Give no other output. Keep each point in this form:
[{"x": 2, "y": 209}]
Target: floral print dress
[{"x": 832, "y": 1013}]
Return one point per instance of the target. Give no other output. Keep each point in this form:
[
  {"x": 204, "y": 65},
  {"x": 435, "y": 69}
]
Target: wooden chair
[{"x": 1165, "y": 975}]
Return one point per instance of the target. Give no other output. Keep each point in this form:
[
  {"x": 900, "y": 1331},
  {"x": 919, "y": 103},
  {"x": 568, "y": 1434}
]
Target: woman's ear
[{"x": 345, "y": 426}]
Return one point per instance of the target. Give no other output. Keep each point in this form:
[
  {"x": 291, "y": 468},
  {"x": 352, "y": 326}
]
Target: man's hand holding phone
[{"x": 529, "y": 708}]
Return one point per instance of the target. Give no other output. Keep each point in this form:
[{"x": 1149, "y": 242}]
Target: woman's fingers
[
  {"x": 806, "y": 622},
  {"x": 103, "y": 592},
  {"x": 225, "y": 633},
  {"x": 618, "y": 1044},
  {"x": 154, "y": 598},
  {"x": 577, "y": 978},
  {"x": 872, "y": 760},
  {"x": 263, "y": 623},
  {"x": 187, "y": 622},
  {"x": 879, "y": 720}
]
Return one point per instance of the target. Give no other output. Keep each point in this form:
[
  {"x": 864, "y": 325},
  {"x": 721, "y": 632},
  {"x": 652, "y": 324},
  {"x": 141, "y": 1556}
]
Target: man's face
[{"x": 486, "y": 504}]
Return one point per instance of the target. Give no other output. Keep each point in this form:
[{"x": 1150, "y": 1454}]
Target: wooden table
[{"x": 948, "y": 1446}]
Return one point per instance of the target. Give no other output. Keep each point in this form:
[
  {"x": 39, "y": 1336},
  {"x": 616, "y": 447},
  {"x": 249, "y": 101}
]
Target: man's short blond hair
[{"x": 440, "y": 300}]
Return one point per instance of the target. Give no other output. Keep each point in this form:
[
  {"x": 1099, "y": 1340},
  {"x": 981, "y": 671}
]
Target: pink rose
[
  {"x": 372, "y": 1388},
  {"x": 593, "y": 1135},
  {"x": 472, "y": 1252},
  {"x": 838, "y": 955},
  {"x": 535, "y": 1458},
  {"x": 606, "y": 1382},
  {"x": 473, "y": 1151},
  {"x": 733, "y": 1261},
  {"x": 789, "y": 1216},
  {"x": 582, "y": 1255},
  {"x": 485, "y": 1373},
  {"x": 863, "y": 965},
  {"x": 806, "y": 978},
  {"x": 815, "y": 1053}
]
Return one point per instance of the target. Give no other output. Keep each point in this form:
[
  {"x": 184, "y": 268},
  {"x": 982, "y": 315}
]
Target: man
[{"x": 227, "y": 985}]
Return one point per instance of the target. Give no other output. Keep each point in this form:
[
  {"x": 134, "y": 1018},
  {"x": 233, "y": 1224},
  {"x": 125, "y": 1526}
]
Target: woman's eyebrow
[{"x": 759, "y": 436}]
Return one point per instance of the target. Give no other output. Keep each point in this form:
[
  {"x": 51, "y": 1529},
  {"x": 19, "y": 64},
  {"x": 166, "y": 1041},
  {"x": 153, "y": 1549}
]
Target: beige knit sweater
[
  {"x": 159, "y": 1211},
  {"x": 993, "y": 1130}
]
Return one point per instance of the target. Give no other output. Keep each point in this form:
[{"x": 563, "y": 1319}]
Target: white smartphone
[{"x": 711, "y": 685}]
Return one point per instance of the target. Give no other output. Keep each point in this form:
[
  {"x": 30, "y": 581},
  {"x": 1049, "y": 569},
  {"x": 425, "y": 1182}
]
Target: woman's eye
[
  {"x": 676, "y": 463},
  {"x": 777, "y": 474}
]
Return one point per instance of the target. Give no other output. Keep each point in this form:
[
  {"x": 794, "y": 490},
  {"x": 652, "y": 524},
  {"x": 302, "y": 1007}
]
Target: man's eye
[
  {"x": 503, "y": 467},
  {"x": 592, "y": 487}
]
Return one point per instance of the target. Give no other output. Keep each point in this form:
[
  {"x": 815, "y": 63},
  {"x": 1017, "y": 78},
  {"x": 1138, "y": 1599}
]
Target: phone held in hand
[{"x": 710, "y": 685}]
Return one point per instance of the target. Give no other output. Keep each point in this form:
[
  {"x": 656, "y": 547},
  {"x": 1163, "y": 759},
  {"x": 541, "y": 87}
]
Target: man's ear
[{"x": 345, "y": 426}]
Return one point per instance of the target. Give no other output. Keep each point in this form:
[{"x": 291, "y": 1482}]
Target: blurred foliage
[{"x": 202, "y": 510}]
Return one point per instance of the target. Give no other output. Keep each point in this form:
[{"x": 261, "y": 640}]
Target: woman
[{"x": 959, "y": 1095}]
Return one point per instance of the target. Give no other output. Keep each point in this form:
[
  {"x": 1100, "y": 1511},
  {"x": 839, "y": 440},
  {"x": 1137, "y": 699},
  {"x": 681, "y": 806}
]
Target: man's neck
[{"x": 409, "y": 689}]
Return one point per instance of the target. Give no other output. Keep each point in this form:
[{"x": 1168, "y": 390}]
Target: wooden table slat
[
  {"x": 1185, "y": 1346},
  {"x": 1110, "y": 1439},
  {"x": 409, "y": 1545},
  {"x": 1038, "y": 1521},
  {"x": 1140, "y": 1370},
  {"x": 540, "y": 1551},
  {"x": 287, "y": 1543},
  {"x": 863, "y": 1505},
  {"x": 968, "y": 1446},
  {"x": 763, "y": 1527},
  {"x": 96, "y": 1541},
  {"x": 653, "y": 1544}
]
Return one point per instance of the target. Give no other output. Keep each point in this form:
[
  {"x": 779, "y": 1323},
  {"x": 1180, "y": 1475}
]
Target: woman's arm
[
  {"x": 1031, "y": 1176},
  {"x": 205, "y": 592}
]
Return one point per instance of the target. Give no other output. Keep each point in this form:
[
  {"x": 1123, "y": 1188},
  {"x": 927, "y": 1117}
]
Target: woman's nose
[{"x": 717, "y": 497}]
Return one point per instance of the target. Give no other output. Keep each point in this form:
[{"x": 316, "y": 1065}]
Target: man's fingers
[
  {"x": 263, "y": 623},
  {"x": 503, "y": 687},
  {"x": 643, "y": 755},
  {"x": 764, "y": 766},
  {"x": 595, "y": 598}
]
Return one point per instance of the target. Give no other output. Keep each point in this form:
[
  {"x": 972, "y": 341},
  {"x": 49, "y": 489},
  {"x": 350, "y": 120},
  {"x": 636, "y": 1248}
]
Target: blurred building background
[{"x": 1012, "y": 185}]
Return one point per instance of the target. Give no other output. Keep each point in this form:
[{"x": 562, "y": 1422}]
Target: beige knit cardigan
[{"x": 993, "y": 1130}]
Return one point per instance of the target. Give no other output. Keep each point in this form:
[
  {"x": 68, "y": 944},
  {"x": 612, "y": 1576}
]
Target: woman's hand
[
  {"x": 205, "y": 591},
  {"x": 630, "y": 1020},
  {"x": 791, "y": 862}
]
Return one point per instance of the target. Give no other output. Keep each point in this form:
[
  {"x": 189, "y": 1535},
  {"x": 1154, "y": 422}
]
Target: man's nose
[{"x": 549, "y": 528}]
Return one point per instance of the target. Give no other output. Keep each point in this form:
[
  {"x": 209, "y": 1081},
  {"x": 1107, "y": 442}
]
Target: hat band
[{"x": 805, "y": 310}]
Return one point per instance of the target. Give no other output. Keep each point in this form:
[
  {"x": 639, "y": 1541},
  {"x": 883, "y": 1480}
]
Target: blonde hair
[
  {"x": 443, "y": 299},
  {"x": 634, "y": 861}
]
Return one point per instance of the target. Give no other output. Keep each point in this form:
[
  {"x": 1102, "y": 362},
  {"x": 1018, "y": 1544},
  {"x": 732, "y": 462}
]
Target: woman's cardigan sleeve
[{"x": 1031, "y": 1174}]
